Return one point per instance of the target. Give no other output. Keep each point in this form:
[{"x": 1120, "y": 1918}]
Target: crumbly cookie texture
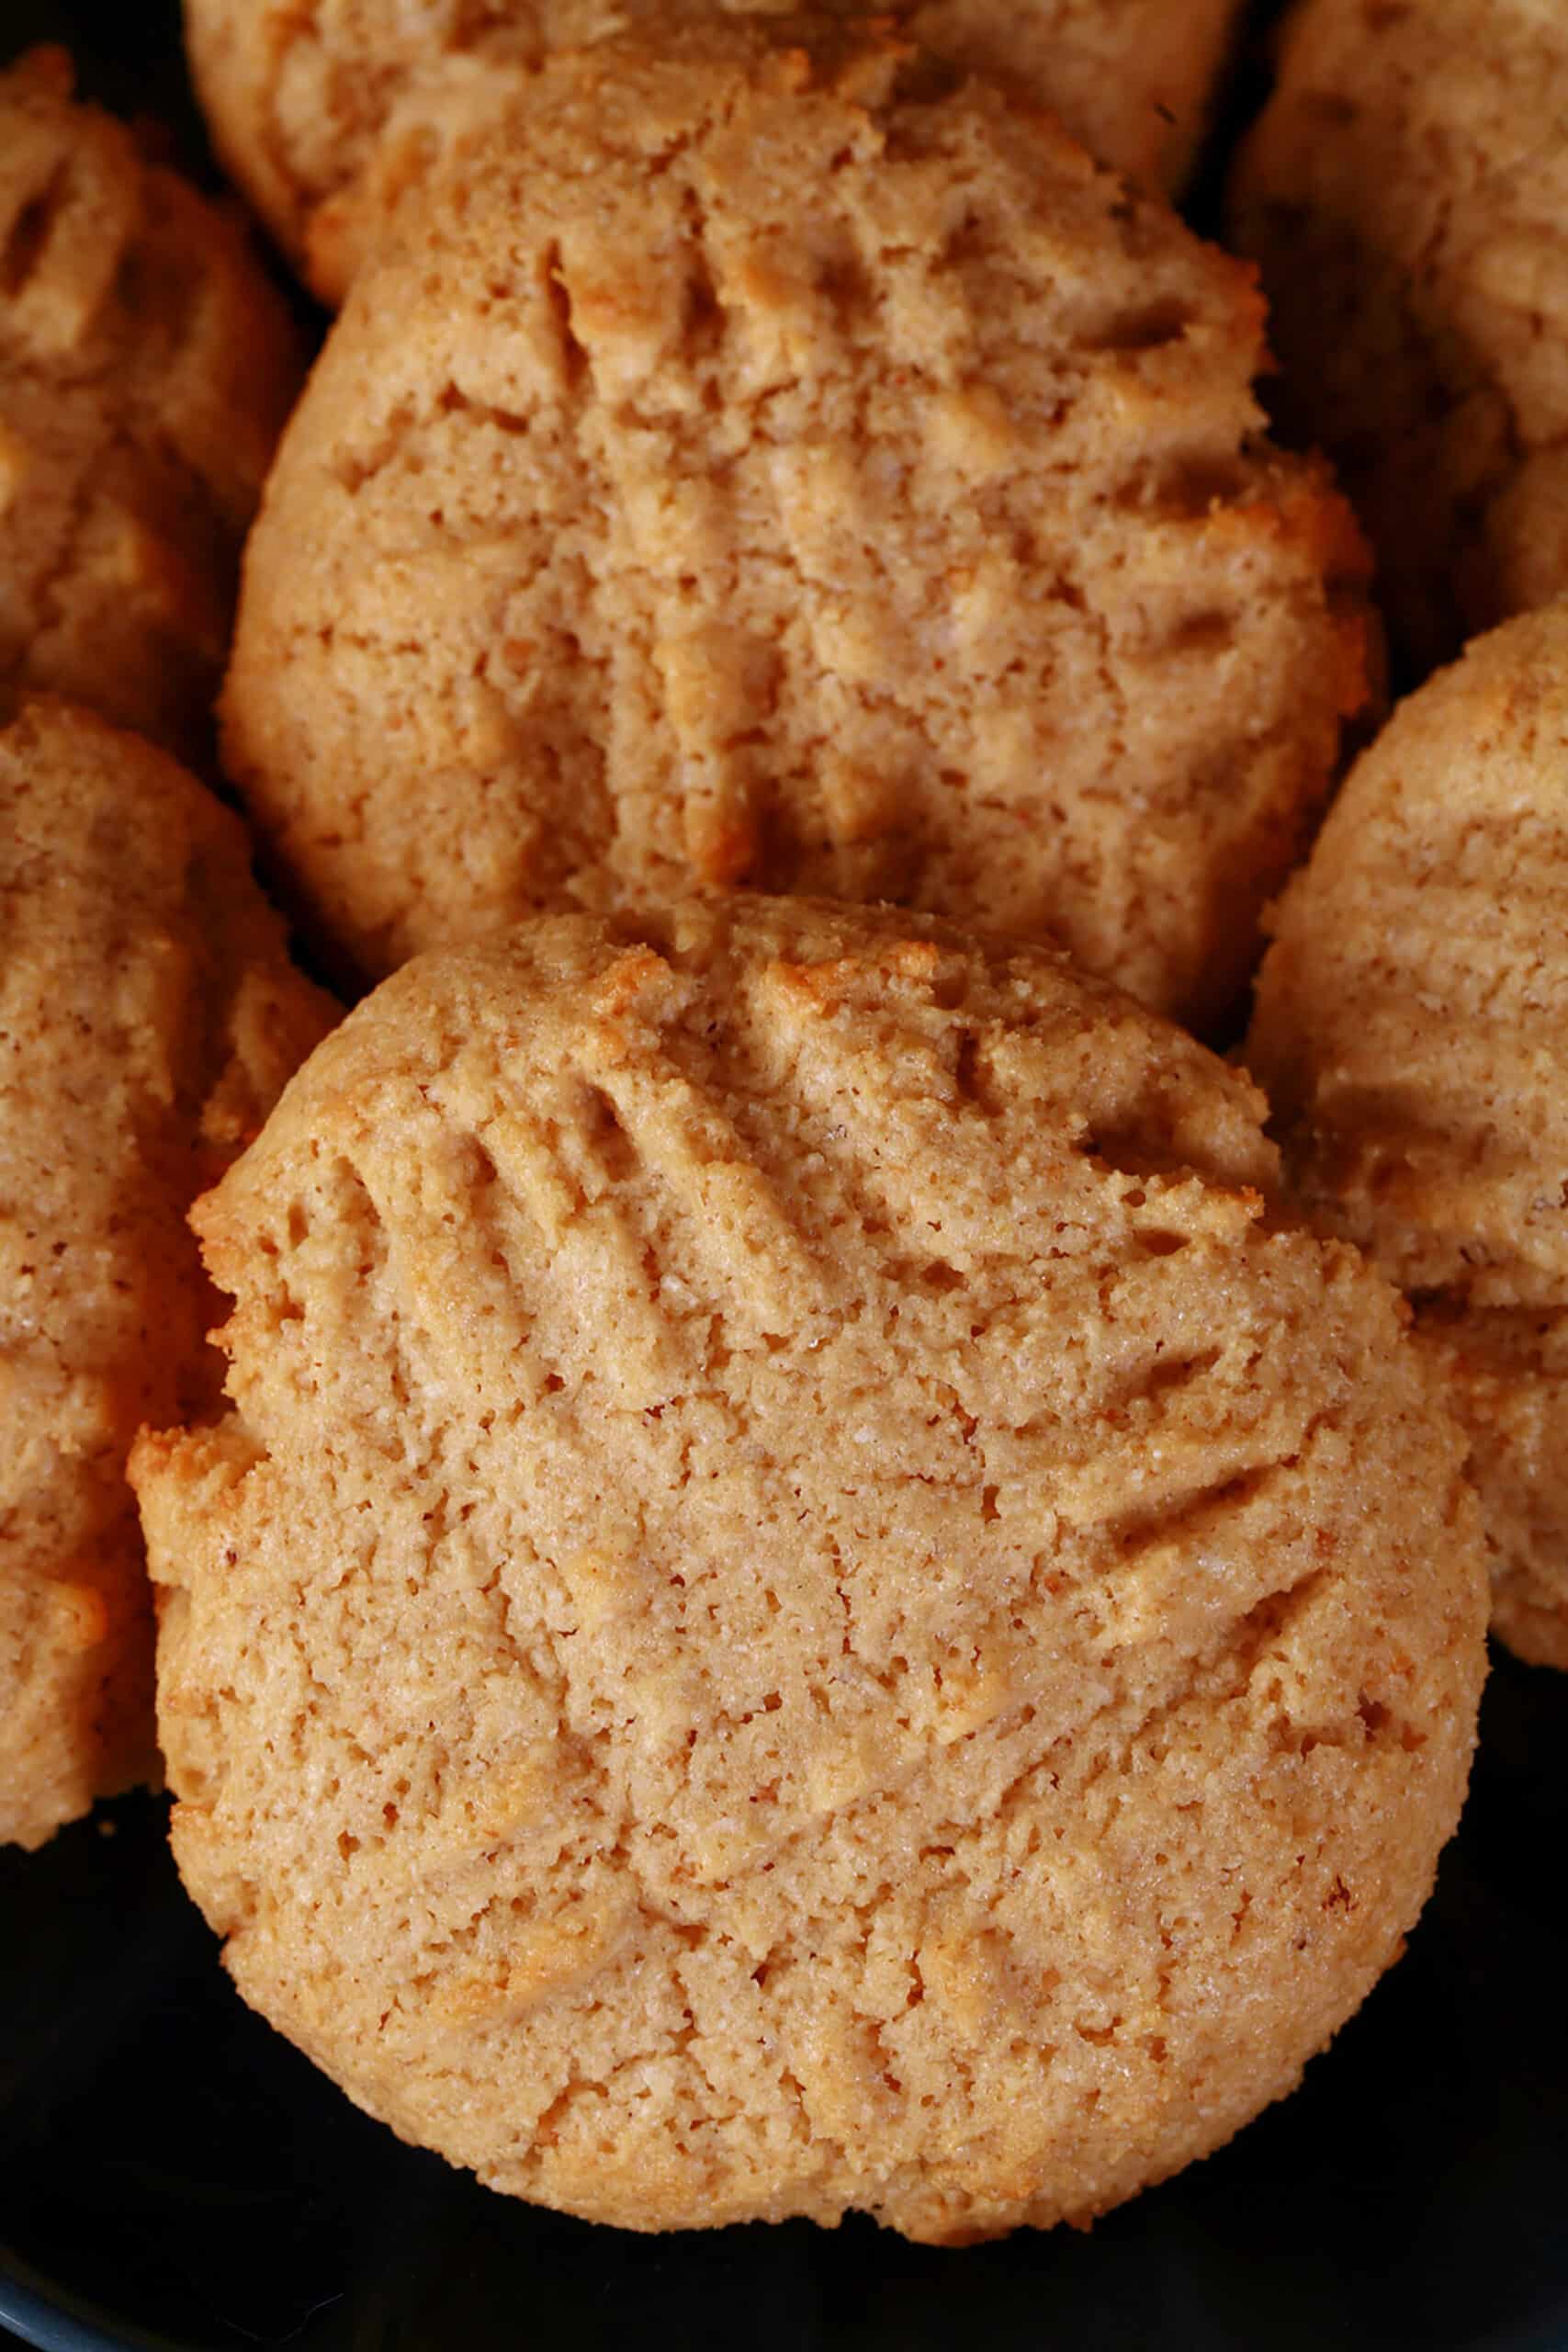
[
  {"x": 1412, "y": 1029},
  {"x": 326, "y": 115},
  {"x": 774, "y": 466},
  {"x": 146, "y": 367},
  {"x": 1406, "y": 192},
  {"x": 808, "y": 1603},
  {"x": 149, "y": 1016}
]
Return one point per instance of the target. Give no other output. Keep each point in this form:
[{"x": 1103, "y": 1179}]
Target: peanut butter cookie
[
  {"x": 147, "y": 1017},
  {"x": 146, "y": 365},
  {"x": 808, "y": 1603},
  {"x": 1412, "y": 1028},
  {"x": 775, "y": 465},
  {"x": 1406, "y": 192}
]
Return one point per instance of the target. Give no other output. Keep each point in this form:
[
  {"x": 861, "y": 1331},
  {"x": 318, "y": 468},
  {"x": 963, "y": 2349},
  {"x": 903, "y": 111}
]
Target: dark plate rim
[{"x": 47, "y": 2317}]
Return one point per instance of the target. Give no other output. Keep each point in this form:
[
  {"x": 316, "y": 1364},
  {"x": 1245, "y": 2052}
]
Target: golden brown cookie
[
  {"x": 768, "y": 465},
  {"x": 1412, "y": 1027},
  {"x": 147, "y": 1017},
  {"x": 146, "y": 365},
  {"x": 808, "y": 1602},
  {"x": 1406, "y": 192},
  {"x": 325, "y": 115}
]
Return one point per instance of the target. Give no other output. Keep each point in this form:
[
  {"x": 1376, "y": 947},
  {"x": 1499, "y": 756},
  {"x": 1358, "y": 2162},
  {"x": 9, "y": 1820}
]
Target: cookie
[
  {"x": 146, "y": 365},
  {"x": 149, "y": 1015},
  {"x": 1405, "y": 192},
  {"x": 808, "y": 1602},
  {"x": 325, "y": 115},
  {"x": 773, "y": 467},
  {"x": 1411, "y": 1025}
]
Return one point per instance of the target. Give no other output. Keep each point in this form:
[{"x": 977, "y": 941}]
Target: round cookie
[
  {"x": 146, "y": 367},
  {"x": 147, "y": 1017},
  {"x": 325, "y": 115},
  {"x": 775, "y": 466},
  {"x": 1412, "y": 1028},
  {"x": 1405, "y": 192},
  {"x": 808, "y": 1603}
]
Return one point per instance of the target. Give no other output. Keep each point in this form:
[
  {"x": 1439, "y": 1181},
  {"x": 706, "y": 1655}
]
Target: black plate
[{"x": 173, "y": 2177}]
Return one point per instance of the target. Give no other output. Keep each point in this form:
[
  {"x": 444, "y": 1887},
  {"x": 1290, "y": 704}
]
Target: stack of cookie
[{"x": 808, "y": 1594}]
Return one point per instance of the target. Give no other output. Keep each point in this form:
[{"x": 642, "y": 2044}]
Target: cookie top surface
[
  {"x": 147, "y": 1017},
  {"x": 1410, "y": 1027},
  {"x": 805, "y": 1603},
  {"x": 768, "y": 464},
  {"x": 146, "y": 365},
  {"x": 1406, "y": 192},
  {"x": 326, "y": 115}
]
